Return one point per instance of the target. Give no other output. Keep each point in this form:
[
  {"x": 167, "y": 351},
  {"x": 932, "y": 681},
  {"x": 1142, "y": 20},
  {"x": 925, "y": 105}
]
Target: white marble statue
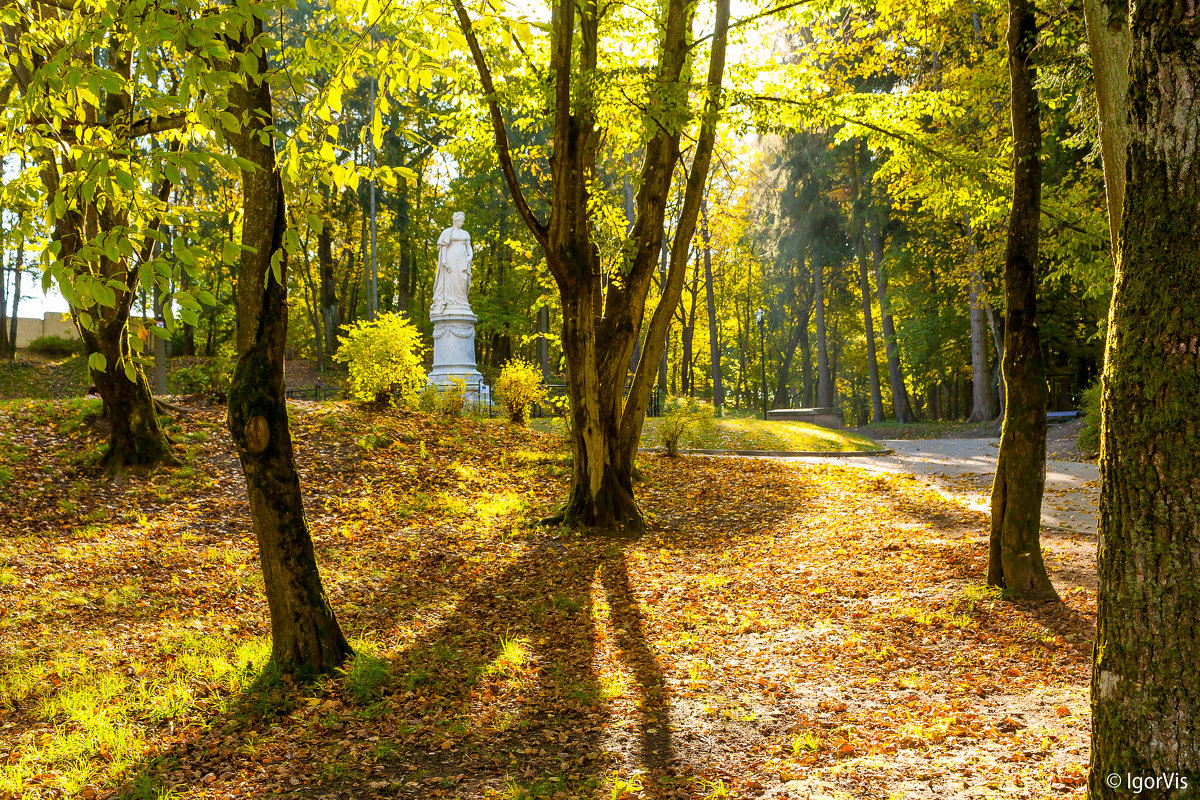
[{"x": 453, "y": 279}]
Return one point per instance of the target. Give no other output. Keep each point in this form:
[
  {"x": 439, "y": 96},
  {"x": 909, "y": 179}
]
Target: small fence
[
  {"x": 556, "y": 405},
  {"x": 320, "y": 392},
  {"x": 477, "y": 398}
]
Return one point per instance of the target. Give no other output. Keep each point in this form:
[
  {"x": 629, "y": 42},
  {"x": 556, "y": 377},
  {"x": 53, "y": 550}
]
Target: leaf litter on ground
[{"x": 779, "y": 631}]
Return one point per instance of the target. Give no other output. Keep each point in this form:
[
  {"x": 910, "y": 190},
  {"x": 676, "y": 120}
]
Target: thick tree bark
[
  {"x": 1145, "y": 684},
  {"x": 305, "y": 636},
  {"x": 900, "y": 405},
  {"x": 714, "y": 333},
  {"x": 1015, "y": 552}
]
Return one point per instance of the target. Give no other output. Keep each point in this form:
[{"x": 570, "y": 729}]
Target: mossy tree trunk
[
  {"x": 602, "y": 319},
  {"x": 1015, "y": 551},
  {"x": 305, "y": 636},
  {"x": 1145, "y": 679}
]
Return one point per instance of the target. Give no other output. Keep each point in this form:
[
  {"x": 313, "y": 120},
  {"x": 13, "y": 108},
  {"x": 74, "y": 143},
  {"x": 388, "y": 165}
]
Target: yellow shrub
[
  {"x": 519, "y": 388},
  {"x": 383, "y": 356}
]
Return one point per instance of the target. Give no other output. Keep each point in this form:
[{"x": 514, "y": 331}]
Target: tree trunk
[
  {"x": 328, "y": 290},
  {"x": 1015, "y": 551},
  {"x": 688, "y": 335},
  {"x": 824, "y": 381},
  {"x": 543, "y": 344},
  {"x": 305, "y": 636},
  {"x": 1108, "y": 40},
  {"x": 1145, "y": 684},
  {"x": 864, "y": 287},
  {"x": 601, "y": 324},
  {"x": 5, "y": 349},
  {"x": 714, "y": 333},
  {"x": 981, "y": 385},
  {"x": 900, "y": 405},
  {"x": 16, "y": 297}
]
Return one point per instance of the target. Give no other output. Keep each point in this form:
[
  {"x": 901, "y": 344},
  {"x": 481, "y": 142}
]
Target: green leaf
[{"x": 98, "y": 362}]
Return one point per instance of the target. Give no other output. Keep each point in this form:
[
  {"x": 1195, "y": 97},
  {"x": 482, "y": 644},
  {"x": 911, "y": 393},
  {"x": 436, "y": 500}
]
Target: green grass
[
  {"x": 889, "y": 429},
  {"x": 749, "y": 433}
]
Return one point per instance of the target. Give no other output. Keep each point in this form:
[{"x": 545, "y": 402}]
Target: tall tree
[
  {"x": 97, "y": 258},
  {"x": 601, "y": 323},
  {"x": 981, "y": 385},
  {"x": 900, "y": 403},
  {"x": 1108, "y": 41},
  {"x": 1145, "y": 685},
  {"x": 305, "y": 636},
  {"x": 714, "y": 332},
  {"x": 1015, "y": 551}
]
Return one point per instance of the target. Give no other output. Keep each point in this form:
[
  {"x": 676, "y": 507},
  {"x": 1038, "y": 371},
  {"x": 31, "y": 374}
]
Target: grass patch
[{"x": 750, "y": 433}]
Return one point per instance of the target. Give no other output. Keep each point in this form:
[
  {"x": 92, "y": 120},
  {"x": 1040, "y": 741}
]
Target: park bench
[{"x": 824, "y": 417}]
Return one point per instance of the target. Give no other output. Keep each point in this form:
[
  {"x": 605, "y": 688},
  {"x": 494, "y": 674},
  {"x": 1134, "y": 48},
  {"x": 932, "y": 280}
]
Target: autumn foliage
[
  {"x": 806, "y": 629},
  {"x": 383, "y": 356}
]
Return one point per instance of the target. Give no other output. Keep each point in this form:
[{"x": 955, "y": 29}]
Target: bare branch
[{"x": 503, "y": 152}]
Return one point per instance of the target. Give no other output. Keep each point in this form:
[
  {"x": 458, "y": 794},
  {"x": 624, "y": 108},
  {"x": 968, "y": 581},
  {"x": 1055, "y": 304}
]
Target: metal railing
[
  {"x": 319, "y": 392},
  {"x": 557, "y": 395},
  {"x": 477, "y": 397}
]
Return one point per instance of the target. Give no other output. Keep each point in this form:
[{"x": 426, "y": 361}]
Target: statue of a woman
[{"x": 453, "y": 279}]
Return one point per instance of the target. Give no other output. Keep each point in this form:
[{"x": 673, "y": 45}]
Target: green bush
[
  {"x": 210, "y": 379},
  {"x": 1089, "y": 437},
  {"x": 519, "y": 388},
  {"x": 385, "y": 360},
  {"x": 56, "y": 346},
  {"x": 682, "y": 419}
]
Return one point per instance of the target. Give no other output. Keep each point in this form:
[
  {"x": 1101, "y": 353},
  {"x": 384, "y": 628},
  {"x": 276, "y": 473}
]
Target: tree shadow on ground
[
  {"x": 966, "y": 560},
  {"x": 504, "y": 693},
  {"x": 512, "y": 683}
]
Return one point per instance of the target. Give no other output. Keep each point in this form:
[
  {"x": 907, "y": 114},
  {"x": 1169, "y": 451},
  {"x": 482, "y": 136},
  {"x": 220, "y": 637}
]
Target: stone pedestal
[{"x": 454, "y": 347}]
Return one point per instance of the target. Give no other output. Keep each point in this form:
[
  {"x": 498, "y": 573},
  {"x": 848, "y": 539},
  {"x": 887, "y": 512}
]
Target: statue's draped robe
[{"x": 453, "y": 279}]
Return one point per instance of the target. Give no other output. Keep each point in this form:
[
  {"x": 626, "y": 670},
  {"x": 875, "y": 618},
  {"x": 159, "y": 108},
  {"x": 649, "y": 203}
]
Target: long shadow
[
  {"x": 528, "y": 630},
  {"x": 1076, "y": 628},
  {"x": 507, "y": 690}
]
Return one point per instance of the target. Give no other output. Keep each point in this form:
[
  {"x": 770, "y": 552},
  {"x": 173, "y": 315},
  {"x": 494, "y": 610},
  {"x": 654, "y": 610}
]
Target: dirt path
[{"x": 964, "y": 468}]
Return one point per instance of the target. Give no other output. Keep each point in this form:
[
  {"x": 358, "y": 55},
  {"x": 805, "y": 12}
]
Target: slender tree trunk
[
  {"x": 864, "y": 284},
  {"x": 1145, "y": 684},
  {"x": 824, "y": 380},
  {"x": 981, "y": 405},
  {"x": 16, "y": 297},
  {"x": 1108, "y": 41},
  {"x": 864, "y": 287},
  {"x": 714, "y": 333},
  {"x": 900, "y": 405},
  {"x": 5, "y": 348},
  {"x": 305, "y": 636},
  {"x": 543, "y": 343},
  {"x": 1015, "y": 551},
  {"x": 688, "y": 335},
  {"x": 783, "y": 376},
  {"x": 328, "y": 291}
]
